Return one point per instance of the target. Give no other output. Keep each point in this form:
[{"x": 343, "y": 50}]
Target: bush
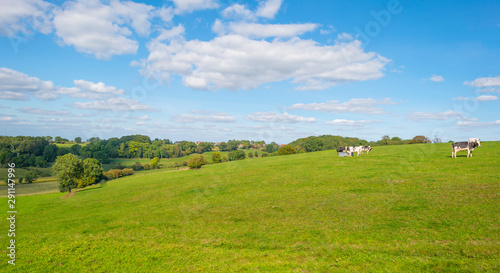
[
  {"x": 216, "y": 158},
  {"x": 113, "y": 174},
  {"x": 264, "y": 155},
  {"x": 137, "y": 166},
  {"x": 196, "y": 162},
  {"x": 118, "y": 166},
  {"x": 236, "y": 155},
  {"x": 250, "y": 155},
  {"x": 21, "y": 180},
  {"x": 287, "y": 150},
  {"x": 256, "y": 154}
]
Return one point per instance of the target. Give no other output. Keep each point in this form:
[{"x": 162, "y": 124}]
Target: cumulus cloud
[
  {"x": 15, "y": 85},
  {"x": 236, "y": 62},
  {"x": 254, "y": 30},
  {"x": 365, "y": 106},
  {"x": 345, "y": 122},
  {"x": 479, "y": 98},
  {"x": 99, "y": 87},
  {"x": 25, "y": 17},
  {"x": 39, "y": 111},
  {"x": 436, "y": 78},
  {"x": 117, "y": 104},
  {"x": 239, "y": 12},
  {"x": 487, "y": 98},
  {"x": 417, "y": 116},
  {"x": 203, "y": 117},
  {"x": 268, "y": 9},
  {"x": 484, "y": 82},
  {"x": 278, "y": 117},
  {"x": 102, "y": 30},
  {"x": 184, "y": 6},
  {"x": 478, "y": 124}
]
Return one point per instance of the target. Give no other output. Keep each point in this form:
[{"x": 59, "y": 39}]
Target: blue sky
[{"x": 207, "y": 70}]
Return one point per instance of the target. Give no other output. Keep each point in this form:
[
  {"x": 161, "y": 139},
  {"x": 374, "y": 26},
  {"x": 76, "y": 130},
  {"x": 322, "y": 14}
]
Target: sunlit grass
[{"x": 399, "y": 209}]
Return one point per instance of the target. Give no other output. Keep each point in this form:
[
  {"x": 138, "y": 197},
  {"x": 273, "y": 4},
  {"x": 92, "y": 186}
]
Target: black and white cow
[
  {"x": 341, "y": 149},
  {"x": 465, "y": 145},
  {"x": 366, "y": 149}
]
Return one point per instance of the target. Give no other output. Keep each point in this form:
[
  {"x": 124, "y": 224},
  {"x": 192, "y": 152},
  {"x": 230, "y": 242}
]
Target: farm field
[{"x": 409, "y": 208}]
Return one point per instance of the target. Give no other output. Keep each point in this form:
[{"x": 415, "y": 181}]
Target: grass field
[{"x": 405, "y": 208}]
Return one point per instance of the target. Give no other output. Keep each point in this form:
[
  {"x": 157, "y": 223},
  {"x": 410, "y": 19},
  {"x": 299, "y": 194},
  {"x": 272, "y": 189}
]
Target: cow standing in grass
[{"x": 465, "y": 145}]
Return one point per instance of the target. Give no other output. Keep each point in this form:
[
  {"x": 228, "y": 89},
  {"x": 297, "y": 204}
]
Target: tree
[
  {"x": 287, "y": 150},
  {"x": 78, "y": 139},
  {"x": 92, "y": 172},
  {"x": 196, "y": 162},
  {"x": 313, "y": 144},
  {"x": 21, "y": 180},
  {"x": 30, "y": 176},
  {"x": 256, "y": 154},
  {"x": 272, "y": 147},
  {"x": 69, "y": 170},
  {"x": 250, "y": 155},
  {"x": 154, "y": 163},
  {"x": 420, "y": 139},
  {"x": 216, "y": 158}
]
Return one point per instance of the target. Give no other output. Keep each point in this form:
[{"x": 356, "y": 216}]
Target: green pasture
[
  {"x": 70, "y": 144},
  {"x": 409, "y": 208}
]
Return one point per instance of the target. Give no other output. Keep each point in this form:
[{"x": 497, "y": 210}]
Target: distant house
[
  {"x": 282, "y": 145},
  {"x": 198, "y": 142},
  {"x": 177, "y": 142},
  {"x": 240, "y": 146}
]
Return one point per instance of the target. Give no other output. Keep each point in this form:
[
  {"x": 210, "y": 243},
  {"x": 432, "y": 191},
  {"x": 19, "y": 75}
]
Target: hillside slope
[{"x": 400, "y": 208}]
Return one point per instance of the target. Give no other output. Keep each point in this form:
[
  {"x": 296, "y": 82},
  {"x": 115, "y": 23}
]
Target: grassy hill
[{"x": 407, "y": 208}]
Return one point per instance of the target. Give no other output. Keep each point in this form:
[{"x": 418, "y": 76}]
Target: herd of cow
[
  {"x": 358, "y": 149},
  {"x": 468, "y": 146}
]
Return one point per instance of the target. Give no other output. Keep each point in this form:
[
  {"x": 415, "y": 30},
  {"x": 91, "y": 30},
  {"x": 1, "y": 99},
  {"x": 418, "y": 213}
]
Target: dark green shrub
[{"x": 196, "y": 162}]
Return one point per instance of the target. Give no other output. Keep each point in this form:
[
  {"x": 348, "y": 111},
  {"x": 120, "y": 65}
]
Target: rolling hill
[{"x": 405, "y": 208}]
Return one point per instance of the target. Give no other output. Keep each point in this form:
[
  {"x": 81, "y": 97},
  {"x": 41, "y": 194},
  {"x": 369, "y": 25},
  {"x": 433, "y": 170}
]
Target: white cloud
[
  {"x": 5, "y": 118},
  {"x": 117, "y": 104},
  {"x": 25, "y": 16},
  {"x": 480, "y": 98},
  {"x": 102, "y": 30},
  {"x": 478, "y": 124},
  {"x": 268, "y": 9},
  {"x": 487, "y": 98},
  {"x": 436, "y": 78},
  {"x": 365, "y": 106},
  {"x": 183, "y": 6},
  {"x": 254, "y": 30},
  {"x": 235, "y": 62},
  {"x": 435, "y": 115},
  {"x": 97, "y": 87},
  {"x": 238, "y": 12},
  {"x": 484, "y": 82},
  {"x": 206, "y": 117},
  {"x": 15, "y": 85},
  {"x": 345, "y": 122},
  {"x": 278, "y": 117},
  {"x": 38, "y": 111},
  {"x": 146, "y": 117}
]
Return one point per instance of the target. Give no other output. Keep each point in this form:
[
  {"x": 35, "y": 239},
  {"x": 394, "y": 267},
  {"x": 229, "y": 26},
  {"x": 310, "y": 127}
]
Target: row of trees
[{"x": 26, "y": 151}]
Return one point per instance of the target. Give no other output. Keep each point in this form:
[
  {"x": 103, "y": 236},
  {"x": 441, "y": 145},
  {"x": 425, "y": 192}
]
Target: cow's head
[{"x": 475, "y": 141}]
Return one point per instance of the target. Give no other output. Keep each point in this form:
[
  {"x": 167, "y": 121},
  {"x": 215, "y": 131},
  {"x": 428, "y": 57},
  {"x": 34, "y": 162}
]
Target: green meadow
[{"x": 409, "y": 208}]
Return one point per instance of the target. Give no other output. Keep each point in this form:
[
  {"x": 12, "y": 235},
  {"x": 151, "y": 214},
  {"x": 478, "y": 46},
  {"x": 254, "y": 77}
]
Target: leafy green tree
[
  {"x": 21, "y": 180},
  {"x": 78, "y": 139},
  {"x": 69, "y": 170},
  {"x": 272, "y": 147},
  {"x": 420, "y": 139},
  {"x": 154, "y": 163},
  {"x": 92, "y": 172},
  {"x": 256, "y": 154},
  {"x": 287, "y": 150},
  {"x": 250, "y": 155},
  {"x": 313, "y": 144},
  {"x": 216, "y": 158},
  {"x": 30, "y": 176}
]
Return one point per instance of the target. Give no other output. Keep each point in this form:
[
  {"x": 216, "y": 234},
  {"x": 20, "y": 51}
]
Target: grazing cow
[
  {"x": 465, "y": 145},
  {"x": 366, "y": 149},
  {"x": 340, "y": 150}
]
